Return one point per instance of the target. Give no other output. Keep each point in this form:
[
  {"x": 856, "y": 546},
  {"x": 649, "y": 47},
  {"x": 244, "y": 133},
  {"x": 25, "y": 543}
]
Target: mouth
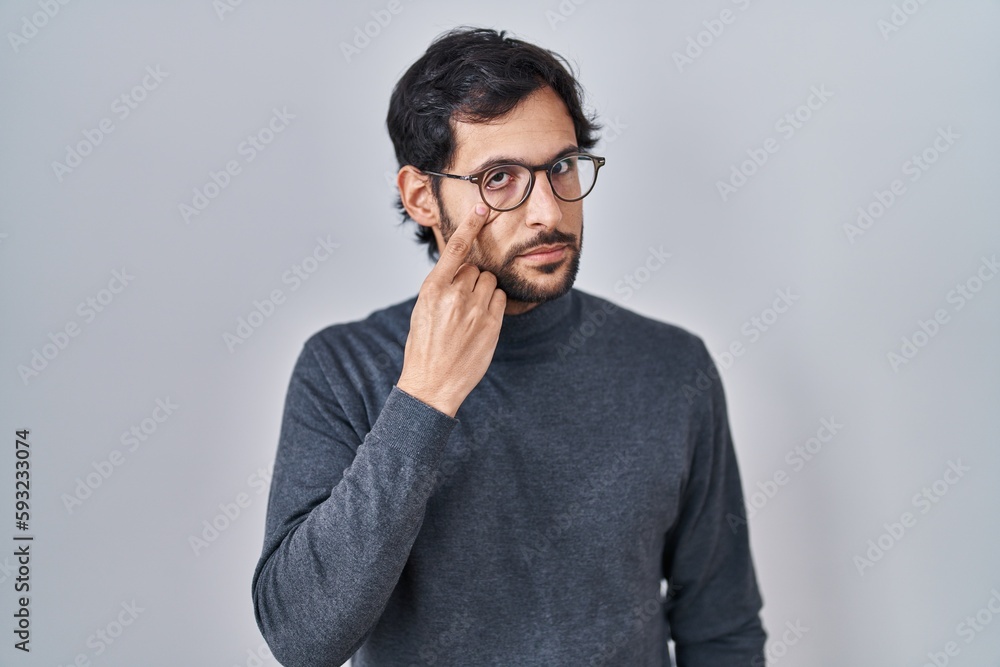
[{"x": 545, "y": 253}]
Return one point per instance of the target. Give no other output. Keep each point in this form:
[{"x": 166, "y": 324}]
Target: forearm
[
  {"x": 323, "y": 587},
  {"x": 715, "y": 614},
  {"x": 742, "y": 647}
]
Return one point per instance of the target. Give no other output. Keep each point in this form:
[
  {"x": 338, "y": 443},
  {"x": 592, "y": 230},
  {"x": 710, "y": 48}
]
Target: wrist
[{"x": 429, "y": 398}]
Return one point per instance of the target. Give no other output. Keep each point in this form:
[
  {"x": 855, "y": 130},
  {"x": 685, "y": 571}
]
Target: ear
[{"x": 418, "y": 198}]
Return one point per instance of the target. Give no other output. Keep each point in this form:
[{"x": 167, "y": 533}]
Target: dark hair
[{"x": 477, "y": 74}]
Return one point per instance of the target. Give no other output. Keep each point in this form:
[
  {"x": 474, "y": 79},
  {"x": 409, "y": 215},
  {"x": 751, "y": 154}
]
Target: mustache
[{"x": 554, "y": 238}]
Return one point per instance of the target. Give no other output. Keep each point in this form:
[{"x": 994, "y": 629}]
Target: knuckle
[{"x": 458, "y": 246}]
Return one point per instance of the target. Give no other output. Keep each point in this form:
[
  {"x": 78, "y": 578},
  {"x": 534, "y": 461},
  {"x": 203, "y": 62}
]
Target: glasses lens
[
  {"x": 504, "y": 186},
  {"x": 573, "y": 177}
]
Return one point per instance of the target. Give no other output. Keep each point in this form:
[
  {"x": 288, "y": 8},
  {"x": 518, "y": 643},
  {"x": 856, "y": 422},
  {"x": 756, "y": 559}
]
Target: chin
[{"x": 537, "y": 291}]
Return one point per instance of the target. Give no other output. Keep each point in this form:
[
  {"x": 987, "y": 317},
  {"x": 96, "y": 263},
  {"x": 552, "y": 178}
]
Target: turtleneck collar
[{"x": 534, "y": 334}]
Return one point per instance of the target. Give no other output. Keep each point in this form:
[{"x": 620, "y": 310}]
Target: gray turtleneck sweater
[{"x": 536, "y": 527}]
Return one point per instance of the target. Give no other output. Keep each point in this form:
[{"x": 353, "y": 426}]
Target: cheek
[
  {"x": 485, "y": 249},
  {"x": 496, "y": 249}
]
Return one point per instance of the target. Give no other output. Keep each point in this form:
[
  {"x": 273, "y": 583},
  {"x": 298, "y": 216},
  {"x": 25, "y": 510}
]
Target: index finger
[{"x": 458, "y": 246}]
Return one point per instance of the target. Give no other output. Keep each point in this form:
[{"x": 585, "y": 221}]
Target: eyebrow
[{"x": 507, "y": 159}]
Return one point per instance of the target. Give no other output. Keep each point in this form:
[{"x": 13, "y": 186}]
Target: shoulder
[
  {"x": 347, "y": 343},
  {"x": 386, "y": 321}
]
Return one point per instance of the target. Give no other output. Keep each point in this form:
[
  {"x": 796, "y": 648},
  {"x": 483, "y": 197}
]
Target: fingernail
[{"x": 481, "y": 209}]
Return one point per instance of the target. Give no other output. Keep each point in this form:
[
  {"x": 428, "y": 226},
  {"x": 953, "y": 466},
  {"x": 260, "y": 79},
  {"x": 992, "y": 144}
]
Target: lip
[{"x": 536, "y": 256}]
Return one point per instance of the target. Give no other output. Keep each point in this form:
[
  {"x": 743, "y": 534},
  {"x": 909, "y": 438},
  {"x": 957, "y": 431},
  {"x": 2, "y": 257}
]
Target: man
[{"x": 503, "y": 469}]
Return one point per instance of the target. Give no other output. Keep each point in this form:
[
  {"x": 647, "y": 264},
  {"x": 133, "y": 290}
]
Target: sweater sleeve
[
  {"x": 342, "y": 515},
  {"x": 714, "y": 603}
]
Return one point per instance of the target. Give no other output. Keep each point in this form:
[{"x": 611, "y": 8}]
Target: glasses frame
[{"x": 477, "y": 177}]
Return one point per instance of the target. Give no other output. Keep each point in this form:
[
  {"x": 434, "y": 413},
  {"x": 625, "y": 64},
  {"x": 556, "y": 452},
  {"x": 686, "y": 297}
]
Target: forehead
[{"x": 533, "y": 131}]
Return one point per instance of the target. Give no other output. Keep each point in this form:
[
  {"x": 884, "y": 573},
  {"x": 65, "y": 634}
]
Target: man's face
[{"x": 534, "y": 132}]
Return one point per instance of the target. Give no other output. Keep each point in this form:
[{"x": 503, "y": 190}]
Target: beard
[{"x": 514, "y": 285}]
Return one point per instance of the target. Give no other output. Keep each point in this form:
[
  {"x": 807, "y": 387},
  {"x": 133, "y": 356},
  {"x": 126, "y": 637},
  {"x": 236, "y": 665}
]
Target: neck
[
  {"x": 536, "y": 332},
  {"x": 518, "y": 307}
]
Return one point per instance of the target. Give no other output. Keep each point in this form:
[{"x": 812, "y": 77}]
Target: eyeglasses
[{"x": 504, "y": 187}]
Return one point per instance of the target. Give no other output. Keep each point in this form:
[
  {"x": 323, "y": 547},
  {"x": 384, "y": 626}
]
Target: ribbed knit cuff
[{"x": 413, "y": 427}]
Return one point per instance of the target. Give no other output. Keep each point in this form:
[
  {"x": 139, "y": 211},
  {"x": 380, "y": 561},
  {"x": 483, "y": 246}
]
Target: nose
[{"x": 542, "y": 206}]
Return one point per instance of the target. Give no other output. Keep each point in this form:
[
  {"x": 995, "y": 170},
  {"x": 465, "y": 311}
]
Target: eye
[
  {"x": 498, "y": 179},
  {"x": 564, "y": 166}
]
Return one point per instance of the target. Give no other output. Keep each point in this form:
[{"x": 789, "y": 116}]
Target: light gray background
[{"x": 671, "y": 135}]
